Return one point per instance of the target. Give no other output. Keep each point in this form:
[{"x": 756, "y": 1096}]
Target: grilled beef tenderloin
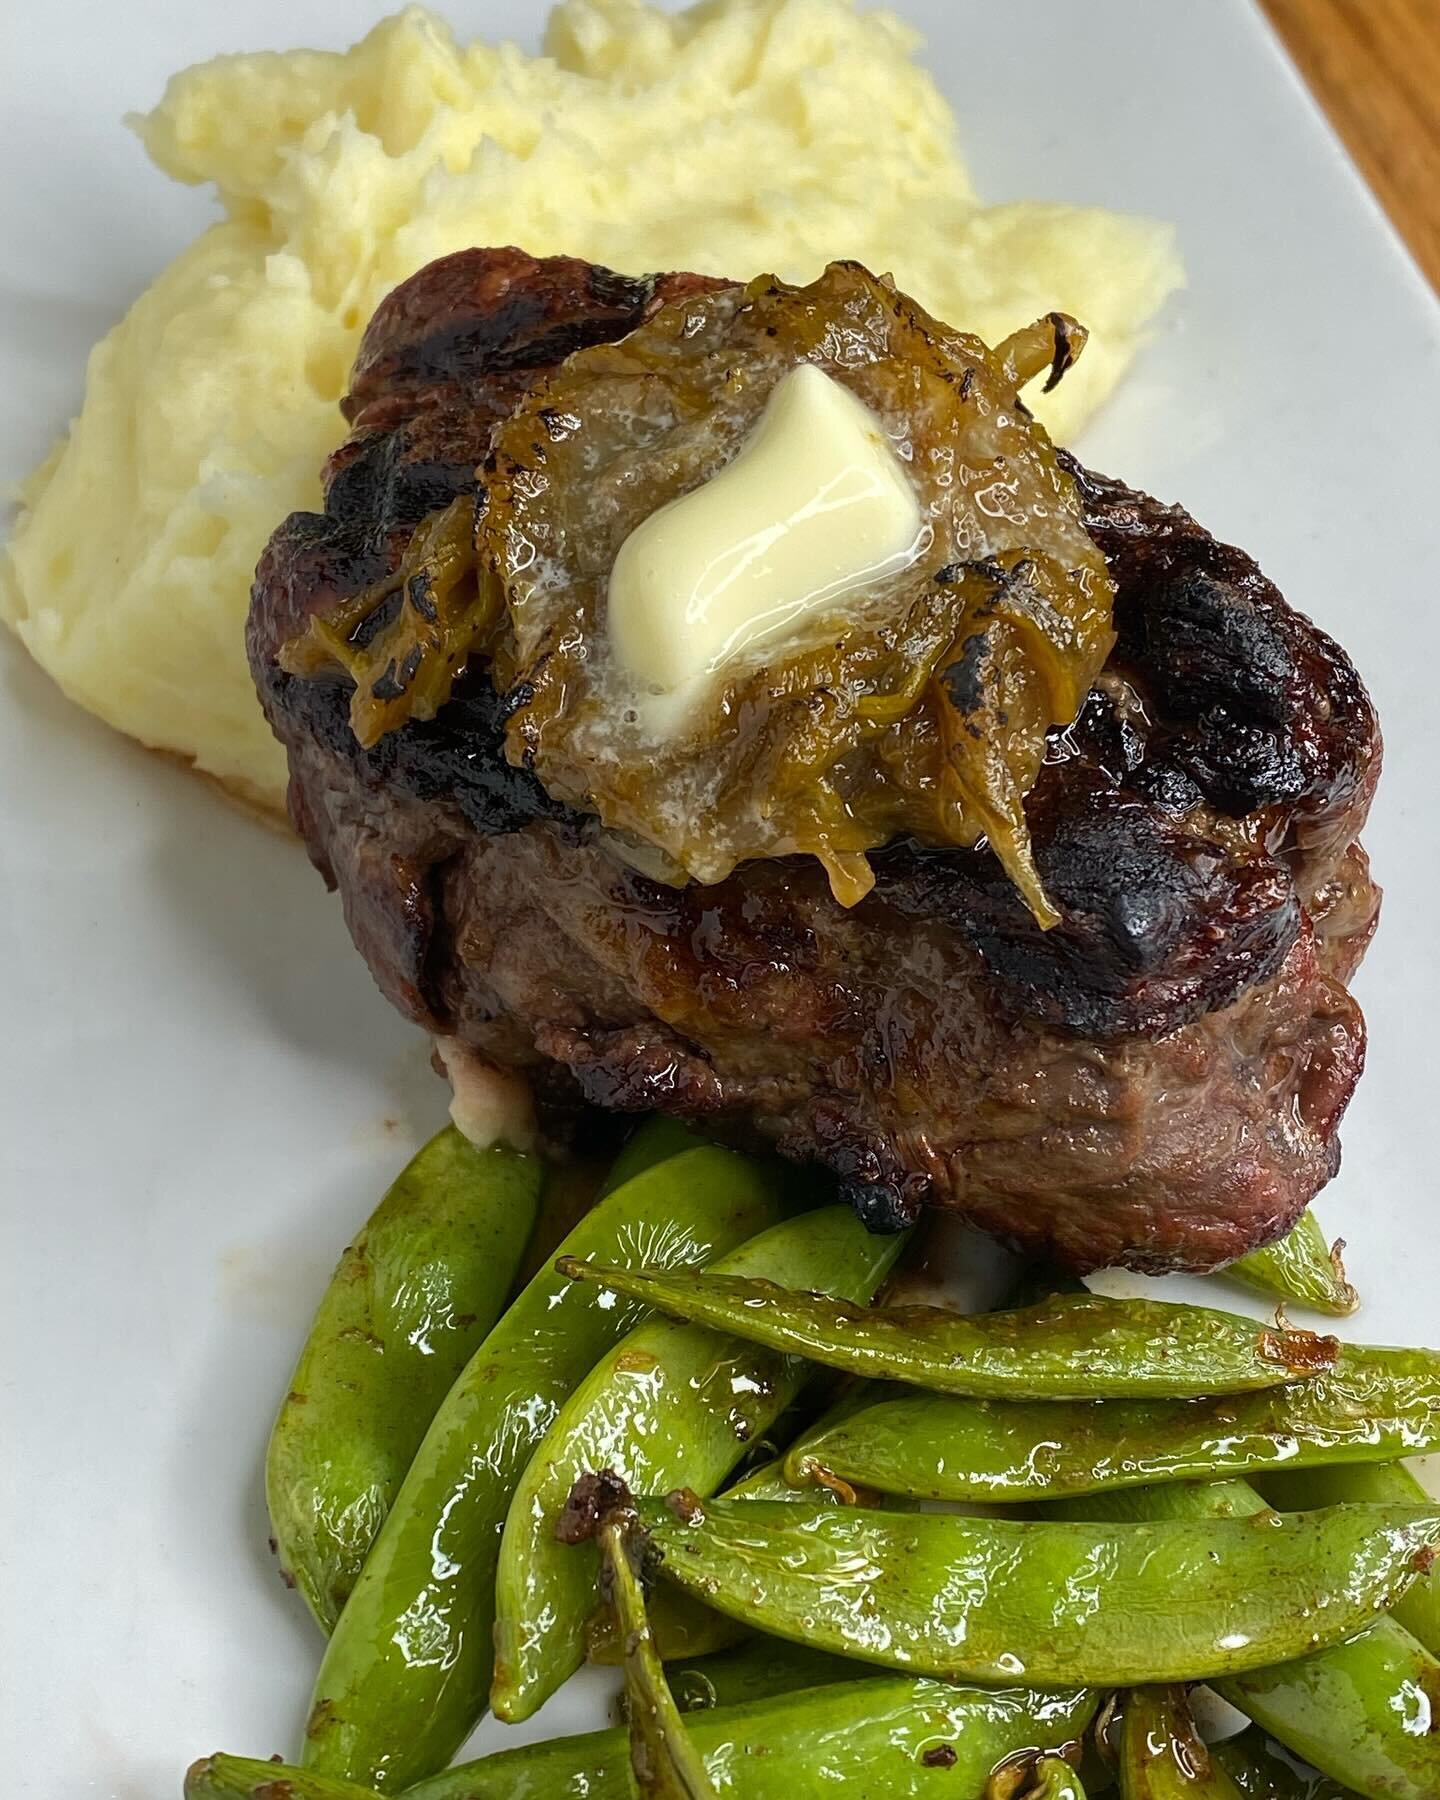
[{"x": 1155, "y": 1082}]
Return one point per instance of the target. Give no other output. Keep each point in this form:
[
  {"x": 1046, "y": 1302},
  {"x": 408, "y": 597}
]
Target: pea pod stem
[
  {"x": 670, "y": 1403},
  {"x": 1050, "y": 1603},
  {"x": 405, "y": 1676},
  {"x": 684, "y": 1628},
  {"x": 1373, "y": 1405},
  {"x": 412, "y": 1298},
  {"x": 1162, "y": 1755},
  {"x": 665, "y": 1763},
  {"x": 892, "y": 1735},
  {"x": 1302, "y": 1268},
  {"x": 1358, "y": 1711},
  {"x": 1041, "y": 1777},
  {"x": 1383, "y": 1484},
  {"x": 1069, "y": 1347}
]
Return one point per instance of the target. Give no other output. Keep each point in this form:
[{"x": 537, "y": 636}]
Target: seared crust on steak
[{"x": 1157, "y": 1081}]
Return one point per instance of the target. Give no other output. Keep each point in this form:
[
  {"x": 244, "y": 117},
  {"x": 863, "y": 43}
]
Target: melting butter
[{"x": 816, "y": 505}]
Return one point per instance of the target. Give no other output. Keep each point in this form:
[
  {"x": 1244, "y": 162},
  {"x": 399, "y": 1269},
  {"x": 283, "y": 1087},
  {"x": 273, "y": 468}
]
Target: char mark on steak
[{"x": 1156, "y": 1082}]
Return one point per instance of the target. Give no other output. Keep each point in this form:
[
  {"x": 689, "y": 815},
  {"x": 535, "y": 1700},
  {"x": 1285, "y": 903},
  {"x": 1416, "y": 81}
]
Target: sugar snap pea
[
  {"x": 405, "y": 1676},
  {"x": 754, "y": 1670},
  {"x": 1361, "y": 1711},
  {"x": 1069, "y": 1347},
  {"x": 222, "y": 1777},
  {"x": 1301, "y": 1267},
  {"x": 412, "y": 1298},
  {"x": 571, "y": 1188},
  {"x": 1055, "y": 1604},
  {"x": 1260, "y": 1772},
  {"x": 1035, "y": 1778},
  {"x": 664, "y": 1761},
  {"x": 1373, "y": 1404},
  {"x": 671, "y": 1403},
  {"x": 1162, "y": 1755},
  {"x": 873, "y": 1737},
  {"x": 655, "y": 1140},
  {"x": 685, "y": 1628},
  {"x": 1376, "y": 1483}
]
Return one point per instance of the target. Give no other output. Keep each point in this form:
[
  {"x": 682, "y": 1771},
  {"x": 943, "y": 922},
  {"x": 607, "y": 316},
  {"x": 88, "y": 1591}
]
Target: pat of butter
[{"x": 815, "y": 505}]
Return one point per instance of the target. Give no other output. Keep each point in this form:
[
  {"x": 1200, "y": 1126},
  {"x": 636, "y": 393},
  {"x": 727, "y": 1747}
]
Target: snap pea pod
[
  {"x": 571, "y": 1188},
  {"x": 1372, "y": 1405},
  {"x": 663, "y": 1759},
  {"x": 758, "y": 1669},
  {"x": 685, "y": 1628},
  {"x": 412, "y": 1297},
  {"x": 1162, "y": 1756},
  {"x": 655, "y": 1140},
  {"x": 1056, "y": 1604},
  {"x": 222, "y": 1777},
  {"x": 1260, "y": 1772},
  {"x": 1361, "y": 1711},
  {"x": 1371, "y": 1484},
  {"x": 1069, "y": 1347},
  {"x": 1035, "y": 1778},
  {"x": 406, "y": 1673},
  {"x": 671, "y": 1403},
  {"x": 1302, "y": 1267},
  {"x": 870, "y": 1737}
]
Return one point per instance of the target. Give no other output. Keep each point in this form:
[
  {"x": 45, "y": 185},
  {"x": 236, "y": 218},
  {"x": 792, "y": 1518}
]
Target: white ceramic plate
[{"x": 202, "y": 1092}]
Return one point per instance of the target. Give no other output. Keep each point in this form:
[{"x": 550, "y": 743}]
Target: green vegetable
[
  {"x": 1070, "y": 1347},
  {"x": 1302, "y": 1267},
  {"x": 222, "y": 1777},
  {"x": 405, "y": 1676},
  {"x": 654, "y": 1140},
  {"x": 1035, "y": 1778},
  {"x": 1054, "y": 1604},
  {"x": 412, "y": 1297},
  {"x": 1162, "y": 1755},
  {"x": 1378, "y": 1483},
  {"x": 754, "y": 1670},
  {"x": 1260, "y": 1772},
  {"x": 671, "y": 1403},
  {"x": 684, "y": 1628},
  {"x": 571, "y": 1189},
  {"x": 665, "y": 1763},
  {"x": 1361, "y": 1711},
  {"x": 1372, "y": 1405},
  {"x": 867, "y": 1738}
]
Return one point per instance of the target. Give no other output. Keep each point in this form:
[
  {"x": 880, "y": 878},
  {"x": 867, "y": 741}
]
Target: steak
[{"x": 1156, "y": 1082}]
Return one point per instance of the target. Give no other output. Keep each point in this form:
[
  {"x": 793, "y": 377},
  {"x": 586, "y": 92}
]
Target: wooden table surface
[{"x": 1374, "y": 65}]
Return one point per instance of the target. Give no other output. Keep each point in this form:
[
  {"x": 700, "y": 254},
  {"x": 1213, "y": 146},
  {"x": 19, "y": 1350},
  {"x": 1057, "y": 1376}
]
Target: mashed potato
[{"x": 740, "y": 137}]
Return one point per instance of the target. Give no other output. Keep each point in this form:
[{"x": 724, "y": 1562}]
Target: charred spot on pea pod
[
  {"x": 686, "y": 1505},
  {"x": 591, "y": 1502},
  {"x": 939, "y": 1756},
  {"x": 1300, "y": 1350}
]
